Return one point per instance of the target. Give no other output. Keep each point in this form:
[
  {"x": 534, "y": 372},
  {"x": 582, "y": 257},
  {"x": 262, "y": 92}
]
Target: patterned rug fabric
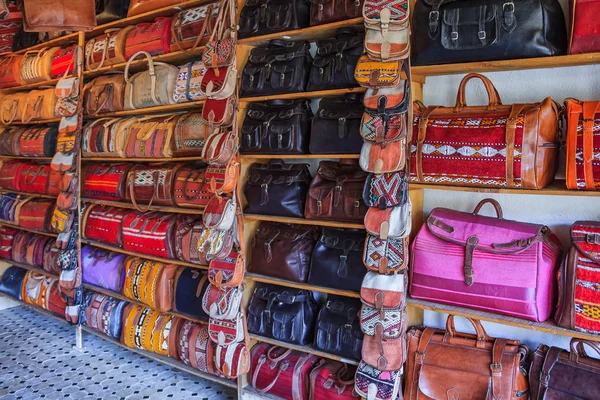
[
  {"x": 596, "y": 156},
  {"x": 468, "y": 151},
  {"x": 587, "y": 280},
  {"x": 9, "y": 27}
]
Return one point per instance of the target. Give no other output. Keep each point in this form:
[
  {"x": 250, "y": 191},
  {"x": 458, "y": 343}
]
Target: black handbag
[
  {"x": 277, "y": 127},
  {"x": 110, "y": 10},
  {"x": 282, "y": 313},
  {"x": 282, "y": 66},
  {"x": 190, "y": 286},
  {"x": 277, "y": 188},
  {"x": 337, "y": 260},
  {"x": 336, "y": 125},
  {"x": 261, "y": 17},
  {"x": 335, "y": 60},
  {"x": 11, "y": 281},
  {"x": 447, "y": 31},
  {"x": 338, "y": 327}
]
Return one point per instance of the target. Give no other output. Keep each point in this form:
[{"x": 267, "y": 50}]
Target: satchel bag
[
  {"x": 337, "y": 329},
  {"x": 33, "y": 178},
  {"x": 219, "y": 113},
  {"x": 369, "y": 382},
  {"x": 188, "y": 82},
  {"x": 384, "y": 344},
  {"x": 336, "y": 192},
  {"x": 384, "y": 292},
  {"x": 64, "y": 61},
  {"x": 379, "y": 74},
  {"x": 38, "y": 142},
  {"x": 335, "y": 61},
  {"x": 50, "y": 258},
  {"x": 386, "y": 25},
  {"x": 282, "y": 313},
  {"x": 224, "y": 303},
  {"x": 137, "y": 7},
  {"x": 220, "y": 147},
  {"x": 151, "y": 185},
  {"x": 492, "y": 251},
  {"x": 448, "y": 32},
  {"x": 336, "y": 125},
  {"x": 327, "y": 11},
  {"x": 150, "y": 137},
  {"x": 225, "y": 332},
  {"x": 107, "y": 49},
  {"x": 385, "y": 256},
  {"x": 151, "y": 37},
  {"x": 189, "y": 135},
  {"x": 220, "y": 49},
  {"x": 222, "y": 179},
  {"x": 386, "y": 190},
  {"x": 435, "y": 364},
  {"x": 227, "y": 271},
  {"x": 150, "y": 233},
  {"x": 190, "y": 286},
  {"x": 11, "y": 282},
  {"x": 192, "y": 27},
  {"x": 149, "y": 88},
  {"x": 103, "y": 223},
  {"x": 198, "y": 245},
  {"x": 67, "y": 101},
  {"x": 393, "y": 222},
  {"x": 7, "y": 237},
  {"x": 10, "y": 71},
  {"x": 284, "y": 373},
  {"x": 276, "y": 127},
  {"x": 63, "y": 162},
  {"x": 39, "y": 105},
  {"x": 37, "y": 65},
  {"x": 147, "y": 329},
  {"x": 332, "y": 380},
  {"x": 68, "y": 197},
  {"x": 263, "y": 17},
  {"x": 581, "y": 170},
  {"x": 277, "y": 188},
  {"x": 220, "y": 213},
  {"x": 62, "y": 220},
  {"x": 232, "y": 360},
  {"x": 194, "y": 348},
  {"x": 104, "y": 94},
  {"x": 509, "y": 129},
  {"x": 36, "y": 214},
  {"x": 150, "y": 283},
  {"x": 105, "y": 181},
  {"x": 336, "y": 260},
  {"x": 552, "y": 365},
  {"x": 282, "y": 66},
  {"x": 283, "y": 251},
  {"x": 110, "y": 10},
  {"x": 52, "y": 15},
  {"x": 219, "y": 83},
  {"x": 104, "y": 314},
  {"x": 103, "y": 268}
]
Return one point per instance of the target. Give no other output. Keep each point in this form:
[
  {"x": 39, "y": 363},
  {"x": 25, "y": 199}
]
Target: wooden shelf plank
[
  {"x": 147, "y": 257},
  {"x": 301, "y": 95},
  {"x": 548, "y": 326},
  {"x": 305, "y": 349},
  {"x": 62, "y": 41},
  {"x": 306, "y": 286},
  {"x": 12, "y": 225},
  {"x": 303, "y": 221},
  {"x": 29, "y": 158},
  {"x": 35, "y": 122},
  {"x": 41, "y": 196},
  {"x": 171, "y": 108},
  {"x": 30, "y": 86},
  {"x": 122, "y": 204},
  {"x": 556, "y": 188},
  {"x": 165, "y": 360},
  {"x": 148, "y": 160},
  {"x": 251, "y": 157},
  {"x": 30, "y": 268}
]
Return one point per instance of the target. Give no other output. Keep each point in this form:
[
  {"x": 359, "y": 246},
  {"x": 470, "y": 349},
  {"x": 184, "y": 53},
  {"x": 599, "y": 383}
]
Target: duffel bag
[
  {"x": 106, "y": 49},
  {"x": 33, "y": 178},
  {"x": 519, "y": 143},
  {"x": 191, "y": 188},
  {"x": 337, "y": 330},
  {"x": 332, "y": 380},
  {"x": 37, "y": 65},
  {"x": 190, "y": 287},
  {"x": 39, "y": 105},
  {"x": 10, "y": 206},
  {"x": 7, "y": 237},
  {"x": 104, "y": 314},
  {"x": 150, "y": 282},
  {"x": 151, "y": 137},
  {"x": 107, "y": 137},
  {"x": 151, "y": 185},
  {"x": 36, "y": 214},
  {"x": 10, "y": 71},
  {"x": 29, "y": 248},
  {"x": 103, "y": 268},
  {"x": 103, "y": 223},
  {"x": 192, "y": 27},
  {"x": 38, "y": 142},
  {"x": 12, "y": 106},
  {"x": 10, "y": 171},
  {"x": 11, "y": 282},
  {"x": 152, "y": 37},
  {"x": 105, "y": 181},
  {"x": 583, "y": 171},
  {"x": 64, "y": 61},
  {"x": 150, "y": 233},
  {"x": 189, "y": 79},
  {"x": 458, "y": 257},
  {"x": 105, "y": 93},
  {"x": 195, "y": 348},
  {"x": 9, "y": 141},
  {"x": 150, "y": 88}
]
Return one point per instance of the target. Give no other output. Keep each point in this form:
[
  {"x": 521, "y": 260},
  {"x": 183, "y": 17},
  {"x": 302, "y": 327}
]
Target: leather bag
[
  {"x": 521, "y": 149},
  {"x": 104, "y": 314},
  {"x": 106, "y": 181},
  {"x": 451, "y": 32},
  {"x": 10, "y": 70},
  {"x": 263, "y": 17},
  {"x": 137, "y": 7},
  {"x": 220, "y": 213},
  {"x": 336, "y": 125},
  {"x": 283, "y": 251},
  {"x": 378, "y": 74},
  {"x": 494, "y": 254},
  {"x": 33, "y": 178},
  {"x": 150, "y": 282},
  {"x": 103, "y": 224},
  {"x": 39, "y": 105},
  {"x": 151, "y": 137},
  {"x": 385, "y": 256},
  {"x": 224, "y": 303},
  {"x": 150, "y": 233},
  {"x": 220, "y": 48},
  {"x": 191, "y": 188},
  {"x": 226, "y": 271},
  {"x": 9, "y": 141},
  {"x": 36, "y": 214},
  {"x": 189, "y": 134},
  {"x": 232, "y": 360},
  {"x": 151, "y": 37},
  {"x": 219, "y": 83},
  {"x": 110, "y": 10},
  {"x": 282, "y": 313},
  {"x": 386, "y": 29},
  {"x": 107, "y": 136},
  {"x": 219, "y": 113},
  {"x": 282, "y": 66},
  {"x": 327, "y": 11},
  {"x": 190, "y": 286},
  {"x": 12, "y": 106},
  {"x": 226, "y": 332},
  {"x": 582, "y": 172},
  {"x": 277, "y": 188},
  {"x": 28, "y": 248},
  {"x": 195, "y": 348},
  {"x": 51, "y": 255},
  {"x": 336, "y": 192},
  {"x": 11, "y": 173},
  {"x": 59, "y": 15},
  {"x": 276, "y": 127},
  {"x": 475, "y": 366},
  {"x": 332, "y": 380},
  {"x": 104, "y": 94},
  {"x": 147, "y": 329},
  {"x": 393, "y": 222},
  {"x": 337, "y": 330},
  {"x": 151, "y": 185},
  {"x": 103, "y": 268},
  {"x": 107, "y": 49},
  {"x": 11, "y": 281},
  {"x": 336, "y": 260},
  {"x": 220, "y": 147},
  {"x": 38, "y": 142},
  {"x": 37, "y": 65},
  {"x": 150, "y": 88},
  {"x": 198, "y": 244},
  {"x": 192, "y": 27}
]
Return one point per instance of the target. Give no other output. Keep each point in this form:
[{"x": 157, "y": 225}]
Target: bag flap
[
  {"x": 450, "y": 383},
  {"x": 470, "y": 15},
  {"x": 284, "y": 232},
  {"x": 342, "y": 239},
  {"x": 585, "y": 235},
  {"x": 332, "y": 170}
]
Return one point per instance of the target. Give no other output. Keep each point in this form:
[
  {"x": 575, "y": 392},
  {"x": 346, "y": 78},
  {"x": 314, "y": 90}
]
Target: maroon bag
[
  {"x": 7, "y": 237},
  {"x": 9, "y": 174},
  {"x": 103, "y": 223},
  {"x": 150, "y": 233},
  {"x": 152, "y": 185},
  {"x": 105, "y": 181},
  {"x": 33, "y": 179},
  {"x": 36, "y": 214}
]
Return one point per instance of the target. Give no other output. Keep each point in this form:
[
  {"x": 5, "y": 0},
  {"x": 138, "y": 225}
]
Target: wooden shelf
[
  {"x": 303, "y": 221},
  {"x": 312, "y": 33},
  {"x": 30, "y": 268},
  {"x": 305, "y": 349},
  {"x": 35, "y": 122},
  {"x": 301, "y": 95},
  {"x": 305, "y": 286},
  {"x": 171, "y": 108},
  {"x": 12, "y": 225},
  {"x": 548, "y": 326},
  {"x": 148, "y": 160},
  {"x": 556, "y": 188},
  {"x": 251, "y": 157},
  {"x": 147, "y": 257},
  {"x": 71, "y": 38},
  {"x": 28, "y": 158},
  {"x": 30, "y": 86},
  {"x": 165, "y": 360},
  {"x": 174, "y": 210},
  {"x": 41, "y": 196}
]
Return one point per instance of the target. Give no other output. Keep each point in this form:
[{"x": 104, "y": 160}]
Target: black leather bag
[
  {"x": 335, "y": 60},
  {"x": 190, "y": 286},
  {"x": 281, "y": 313},
  {"x": 338, "y": 327},
  {"x": 282, "y": 66},
  {"x": 11, "y": 281},
  {"x": 23, "y": 40},
  {"x": 449, "y": 31},
  {"x": 110, "y": 10},
  {"x": 336, "y": 125},
  {"x": 337, "y": 260},
  {"x": 261, "y": 17},
  {"x": 277, "y": 188},
  {"x": 277, "y": 127}
]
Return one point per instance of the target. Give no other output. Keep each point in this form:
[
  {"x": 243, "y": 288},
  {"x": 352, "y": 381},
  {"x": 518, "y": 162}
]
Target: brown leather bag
[
  {"x": 451, "y": 365},
  {"x": 325, "y": 11},
  {"x": 10, "y": 71},
  {"x": 152, "y": 185},
  {"x": 107, "y": 49},
  {"x": 106, "y": 93},
  {"x": 39, "y": 105},
  {"x": 59, "y": 15},
  {"x": 12, "y": 106},
  {"x": 143, "y": 6}
]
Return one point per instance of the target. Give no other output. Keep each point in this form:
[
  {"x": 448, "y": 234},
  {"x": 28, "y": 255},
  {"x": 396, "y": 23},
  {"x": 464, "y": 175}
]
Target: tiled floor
[{"x": 37, "y": 361}]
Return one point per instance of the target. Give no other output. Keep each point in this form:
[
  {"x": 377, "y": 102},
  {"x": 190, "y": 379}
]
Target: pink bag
[{"x": 490, "y": 264}]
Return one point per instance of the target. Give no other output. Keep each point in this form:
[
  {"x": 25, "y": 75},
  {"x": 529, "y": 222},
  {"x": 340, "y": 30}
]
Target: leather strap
[
  {"x": 551, "y": 359},
  {"x": 590, "y": 108},
  {"x": 420, "y": 353},
  {"x": 496, "y": 368},
  {"x": 470, "y": 246},
  {"x": 511, "y": 126},
  {"x": 423, "y": 120}
]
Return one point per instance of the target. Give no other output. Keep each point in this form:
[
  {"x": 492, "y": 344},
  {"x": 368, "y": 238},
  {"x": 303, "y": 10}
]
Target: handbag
[
  {"x": 581, "y": 170},
  {"x": 67, "y": 101},
  {"x": 39, "y": 105},
  {"x": 379, "y": 385},
  {"x": 232, "y": 360},
  {"x": 37, "y": 65},
  {"x": 11, "y": 173},
  {"x": 149, "y": 88},
  {"x": 508, "y": 130},
  {"x": 386, "y": 190},
  {"x": 153, "y": 38},
  {"x": 61, "y": 220},
  {"x": 222, "y": 179},
  {"x": 276, "y": 127},
  {"x": 336, "y": 125},
  {"x": 38, "y": 142},
  {"x": 50, "y": 258},
  {"x": 10, "y": 71},
  {"x": 36, "y": 214},
  {"x": 220, "y": 147},
  {"x": 151, "y": 184},
  {"x": 188, "y": 82},
  {"x": 264, "y": 17},
  {"x": 335, "y": 60},
  {"x": 335, "y": 192},
  {"x": 327, "y": 11},
  {"x": 384, "y": 292},
  {"x": 105, "y": 93},
  {"x": 12, "y": 106},
  {"x": 33, "y": 178},
  {"x": 220, "y": 49},
  {"x": 447, "y": 32},
  {"x": 65, "y": 61},
  {"x": 150, "y": 137},
  {"x": 103, "y": 224},
  {"x": 52, "y": 15},
  {"x": 282, "y": 66},
  {"x": 63, "y": 162},
  {"x": 332, "y": 380},
  {"x": 220, "y": 213},
  {"x": 219, "y": 113},
  {"x": 219, "y": 83},
  {"x": 282, "y": 313},
  {"x": 225, "y": 271},
  {"x": 277, "y": 188},
  {"x": 195, "y": 348},
  {"x": 150, "y": 282},
  {"x": 106, "y": 181},
  {"x": 9, "y": 141},
  {"x": 384, "y": 343},
  {"x": 192, "y": 27},
  {"x": 198, "y": 245},
  {"x": 104, "y": 314},
  {"x": 107, "y": 49},
  {"x": 223, "y": 303},
  {"x": 283, "y": 251},
  {"x": 385, "y": 256},
  {"x": 7, "y": 237},
  {"x": 226, "y": 332},
  {"x": 149, "y": 330},
  {"x": 554, "y": 372},
  {"x": 492, "y": 252},
  {"x": 191, "y": 188},
  {"x": 337, "y": 330},
  {"x": 103, "y": 268},
  {"x": 10, "y": 206},
  {"x": 150, "y": 233},
  {"x": 379, "y": 74},
  {"x": 110, "y": 10},
  {"x": 68, "y": 196},
  {"x": 386, "y": 26},
  {"x": 190, "y": 286},
  {"x": 107, "y": 136},
  {"x": 137, "y": 7},
  {"x": 189, "y": 135},
  {"x": 28, "y": 248},
  {"x": 393, "y": 222},
  {"x": 11, "y": 282},
  {"x": 435, "y": 364}
]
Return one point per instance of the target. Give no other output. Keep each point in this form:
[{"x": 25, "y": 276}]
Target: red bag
[
  {"x": 219, "y": 112},
  {"x": 9, "y": 174},
  {"x": 232, "y": 360},
  {"x": 192, "y": 27},
  {"x": 150, "y": 233},
  {"x": 332, "y": 380},
  {"x": 36, "y": 214},
  {"x": 64, "y": 61},
  {"x": 105, "y": 181},
  {"x": 153, "y": 37},
  {"x": 56, "y": 303},
  {"x": 7, "y": 237},
  {"x": 191, "y": 189},
  {"x": 195, "y": 348},
  {"x": 103, "y": 223},
  {"x": 33, "y": 178},
  {"x": 10, "y": 70},
  {"x": 38, "y": 142},
  {"x": 584, "y": 27},
  {"x": 9, "y": 27}
]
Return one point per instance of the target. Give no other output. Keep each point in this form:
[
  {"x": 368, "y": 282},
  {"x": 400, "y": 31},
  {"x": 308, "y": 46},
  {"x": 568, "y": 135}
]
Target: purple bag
[{"x": 103, "y": 268}]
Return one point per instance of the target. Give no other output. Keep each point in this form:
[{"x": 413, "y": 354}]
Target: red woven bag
[
  {"x": 33, "y": 178},
  {"x": 7, "y": 237},
  {"x": 10, "y": 71},
  {"x": 153, "y": 37},
  {"x": 9, "y": 174},
  {"x": 103, "y": 223},
  {"x": 150, "y": 233},
  {"x": 36, "y": 214},
  {"x": 105, "y": 181},
  {"x": 64, "y": 61}
]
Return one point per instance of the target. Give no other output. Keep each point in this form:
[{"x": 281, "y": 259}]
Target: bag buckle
[
  {"x": 454, "y": 36},
  {"x": 496, "y": 368},
  {"x": 544, "y": 378},
  {"x": 481, "y": 35},
  {"x": 434, "y": 18}
]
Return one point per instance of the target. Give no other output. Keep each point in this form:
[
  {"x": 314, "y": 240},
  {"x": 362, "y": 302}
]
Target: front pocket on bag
[
  {"x": 249, "y": 20},
  {"x": 283, "y": 327},
  {"x": 253, "y": 78},
  {"x": 321, "y": 202},
  {"x": 251, "y": 137},
  {"x": 282, "y": 76},
  {"x": 462, "y": 27},
  {"x": 354, "y": 207},
  {"x": 328, "y": 336},
  {"x": 279, "y": 16},
  {"x": 281, "y": 137},
  {"x": 254, "y": 319},
  {"x": 323, "y": 73}
]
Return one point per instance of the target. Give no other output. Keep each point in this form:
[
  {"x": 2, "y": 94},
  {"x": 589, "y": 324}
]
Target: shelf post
[{"x": 79, "y": 338}]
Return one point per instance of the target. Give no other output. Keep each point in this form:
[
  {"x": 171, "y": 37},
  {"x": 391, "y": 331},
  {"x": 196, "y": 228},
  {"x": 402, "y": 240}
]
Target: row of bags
[
  {"x": 37, "y": 66},
  {"x": 28, "y": 212}
]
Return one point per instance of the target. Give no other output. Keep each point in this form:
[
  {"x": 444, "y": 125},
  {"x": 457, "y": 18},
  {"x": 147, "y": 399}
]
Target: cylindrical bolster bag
[
  {"x": 151, "y": 185},
  {"x": 104, "y": 223},
  {"x": 39, "y": 105},
  {"x": 150, "y": 282},
  {"x": 104, "y": 314},
  {"x": 152, "y": 37},
  {"x": 106, "y": 49},
  {"x": 36, "y": 214},
  {"x": 150, "y": 233},
  {"x": 105, "y": 181},
  {"x": 10, "y": 71},
  {"x": 103, "y": 268},
  {"x": 190, "y": 286},
  {"x": 583, "y": 171},
  {"x": 38, "y": 142}
]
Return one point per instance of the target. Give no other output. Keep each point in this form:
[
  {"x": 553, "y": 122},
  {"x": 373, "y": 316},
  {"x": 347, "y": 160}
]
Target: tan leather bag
[
  {"x": 11, "y": 107},
  {"x": 150, "y": 282},
  {"x": 137, "y": 7},
  {"x": 37, "y": 65},
  {"x": 39, "y": 105},
  {"x": 59, "y": 15},
  {"x": 452, "y": 365},
  {"x": 106, "y": 93},
  {"x": 107, "y": 49},
  {"x": 150, "y": 88}
]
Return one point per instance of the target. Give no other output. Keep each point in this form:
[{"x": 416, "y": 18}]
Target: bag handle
[
  {"x": 494, "y": 203},
  {"x": 107, "y": 90},
  {"x": 578, "y": 349},
  {"x": 280, "y": 368},
  {"x": 88, "y": 57},
  {"x": 493, "y": 96},
  {"x": 185, "y": 184},
  {"x": 37, "y": 106},
  {"x": 151, "y": 72},
  {"x": 131, "y": 179},
  {"x": 482, "y": 336},
  {"x": 14, "y": 107},
  {"x": 205, "y": 25}
]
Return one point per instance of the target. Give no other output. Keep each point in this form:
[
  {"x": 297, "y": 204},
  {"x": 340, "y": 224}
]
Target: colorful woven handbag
[
  {"x": 189, "y": 134},
  {"x": 38, "y": 142},
  {"x": 220, "y": 147},
  {"x": 333, "y": 380},
  {"x": 7, "y": 237},
  {"x": 220, "y": 213},
  {"x": 149, "y": 330},
  {"x": 36, "y": 214},
  {"x": 220, "y": 49},
  {"x": 51, "y": 253},
  {"x": 195, "y": 348},
  {"x": 153, "y": 37},
  {"x": 385, "y": 256},
  {"x": 232, "y": 360},
  {"x": 371, "y": 383},
  {"x": 150, "y": 233},
  {"x": 218, "y": 113},
  {"x": 189, "y": 79},
  {"x": 64, "y": 61},
  {"x": 219, "y": 83},
  {"x": 151, "y": 137},
  {"x": 192, "y": 27},
  {"x": 222, "y": 179},
  {"x": 198, "y": 244},
  {"x": 395, "y": 222},
  {"x": 107, "y": 49},
  {"x": 103, "y": 223},
  {"x": 384, "y": 292},
  {"x": 228, "y": 271},
  {"x": 225, "y": 332},
  {"x": 386, "y": 190},
  {"x": 191, "y": 188},
  {"x": 150, "y": 282},
  {"x": 383, "y": 127},
  {"x": 378, "y": 74},
  {"x": 33, "y": 178},
  {"x": 387, "y": 30},
  {"x": 105, "y": 181},
  {"x": 224, "y": 303},
  {"x": 10, "y": 172},
  {"x": 151, "y": 185}
]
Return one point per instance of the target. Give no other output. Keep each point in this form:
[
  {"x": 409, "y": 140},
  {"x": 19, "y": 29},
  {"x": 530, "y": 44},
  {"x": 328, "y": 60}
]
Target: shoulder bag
[
  {"x": 233, "y": 360},
  {"x": 103, "y": 268},
  {"x": 379, "y": 74},
  {"x": 336, "y": 125},
  {"x": 227, "y": 332},
  {"x": 225, "y": 271},
  {"x": 377, "y": 384},
  {"x": 150, "y": 88},
  {"x": 395, "y": 222},
  {"x": 150, "y": 282},
  {"x": 386, "y": 190},
  {"x": 337, "y": 330},
  {"x": 387, "y": 29},
  {"x": 223, "y": 303},
  {"x": 220, "y": 213},
  {"x": 220, "y": 146},
  {"x": 198, "y": 244},
  {"x": 220, "y": 49},
  {"x": 188, "y": 82},
  {"x": 385, "y": 256},
  {"x": 104, "y": 94}
]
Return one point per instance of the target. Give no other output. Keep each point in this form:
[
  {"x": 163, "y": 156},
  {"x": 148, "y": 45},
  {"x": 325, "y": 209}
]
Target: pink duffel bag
[{"x": 490, "y": 264}]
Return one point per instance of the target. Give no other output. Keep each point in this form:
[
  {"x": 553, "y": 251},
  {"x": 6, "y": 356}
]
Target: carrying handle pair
[
  {"x": 493, "y": 96},
  {"x": 270, "y": 357},
  {"x": 578, "y": 348},
  {"x": 482, "y": 336}
]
